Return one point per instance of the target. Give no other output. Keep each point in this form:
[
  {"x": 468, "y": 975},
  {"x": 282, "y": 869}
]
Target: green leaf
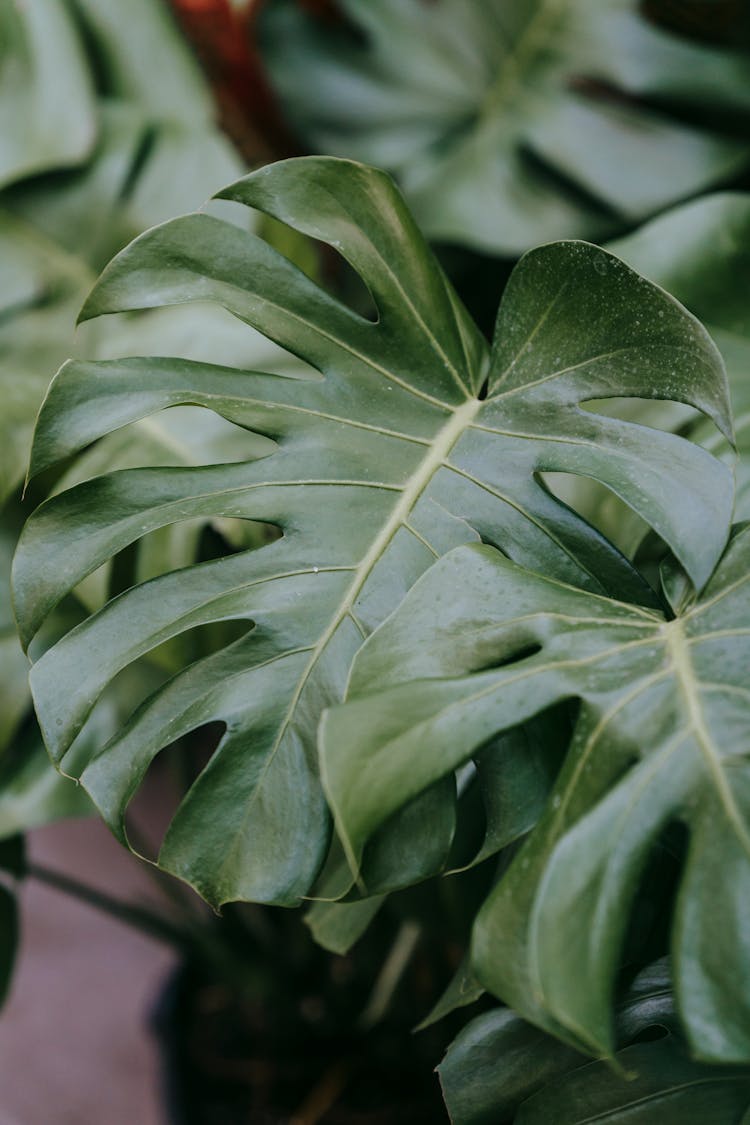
[
  {"x": 337, "y": 926},
  {"x": 14, "y": 693},
  {"x": 141, "y": 57},
  {"x": 497, "y": 1062},
  {"x": 513, "y": 775},
  {"x": 142, "y": 171},
  {"x": 32, "y": 793},
  {"x": 377, "y": 468},
  {"x": 137, "y": 149},
  {"x": 479, "y": 646},
  {"x": 502, "y": 1069},
  {"x": 510, "y": 124},
  {"x": 47, "y": 110},
  {"x": 701, "y": 253},
  {"x": 462, "y": 989}
]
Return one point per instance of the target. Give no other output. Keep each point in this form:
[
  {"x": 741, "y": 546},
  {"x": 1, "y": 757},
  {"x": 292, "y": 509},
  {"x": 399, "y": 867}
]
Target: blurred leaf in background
[
  {"x": 106, "y": 127},
  {"x": 512, "y": 123}
]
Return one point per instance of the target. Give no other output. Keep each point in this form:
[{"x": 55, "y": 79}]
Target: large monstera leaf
[
  {"x": 479, "y": 646},
  {"x": 407, "y": 440},
  {"x": 509, "y": 123}
]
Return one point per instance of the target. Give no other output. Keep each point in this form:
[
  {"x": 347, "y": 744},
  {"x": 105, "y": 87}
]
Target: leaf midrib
[
  {"x": 439, "y": 450},
  {"x": 405, "y": 297},
  {"x": 658, "y": 1095}
]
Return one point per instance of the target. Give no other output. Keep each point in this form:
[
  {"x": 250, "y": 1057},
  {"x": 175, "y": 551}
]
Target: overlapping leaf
[
  {"x": 662, "y": 736},
  {"x": 509, "y": 123},
  {"x": 501, "y": 1069},
  {"x": 378, "y": 466}
]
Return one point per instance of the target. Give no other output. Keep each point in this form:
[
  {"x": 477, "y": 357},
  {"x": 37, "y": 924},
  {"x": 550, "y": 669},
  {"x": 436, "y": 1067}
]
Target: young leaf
[
  {"x": 516, "y": 122},
  {"x": 662, "y": 736},
  {"x": 389, "y": 459}
]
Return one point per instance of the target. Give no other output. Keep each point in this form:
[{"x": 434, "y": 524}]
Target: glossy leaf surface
[
  {"x": 479, "y": 646},
  {"x": 701, "y": 253},
  {"x": 379, "y": 466},
  {"x": 501, "y": 1069}
]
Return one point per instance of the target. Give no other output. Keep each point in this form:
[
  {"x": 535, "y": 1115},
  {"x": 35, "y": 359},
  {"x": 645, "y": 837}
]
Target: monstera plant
[
  {"x": 434, "y": 662},
  {"x": 415, "y": 440},
  {"x": 509, "y": 124}
]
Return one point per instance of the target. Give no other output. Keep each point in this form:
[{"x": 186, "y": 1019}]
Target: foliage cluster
[{"x": 467, "y": 614}]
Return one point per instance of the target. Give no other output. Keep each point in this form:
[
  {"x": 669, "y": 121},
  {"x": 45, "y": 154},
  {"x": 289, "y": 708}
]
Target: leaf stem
[
  {"x": 141, "y": 918},
  {"x": 390, "y": 974},
  {"x": 196, "y": 941}
]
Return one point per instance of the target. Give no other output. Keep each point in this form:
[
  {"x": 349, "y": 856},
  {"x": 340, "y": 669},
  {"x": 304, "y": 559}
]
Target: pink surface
[{"x": 75, "y": 1046}]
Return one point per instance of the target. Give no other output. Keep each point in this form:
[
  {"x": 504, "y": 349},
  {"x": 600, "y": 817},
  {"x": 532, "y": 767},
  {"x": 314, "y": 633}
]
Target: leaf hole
[
  {"x": 154, "y": 804},
  {"x": 479, "y": 278},
  {"x": 599, "y": 506},
  {"x": 164, "y": 786},
  {"x": 512, "y": 656},
  {"x": 667, "y": 414},
  {"x": 185, "y": 649},
  {"x": 648, "y": 935},
  {"x": 651, "y": 1034},
  {"x": 323, "y": 264},
  {"x": 505, "y": 792}
]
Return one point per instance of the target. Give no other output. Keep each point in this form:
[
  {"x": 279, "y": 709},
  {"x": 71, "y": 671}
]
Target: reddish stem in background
[{"x": 223, "y": 37}]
